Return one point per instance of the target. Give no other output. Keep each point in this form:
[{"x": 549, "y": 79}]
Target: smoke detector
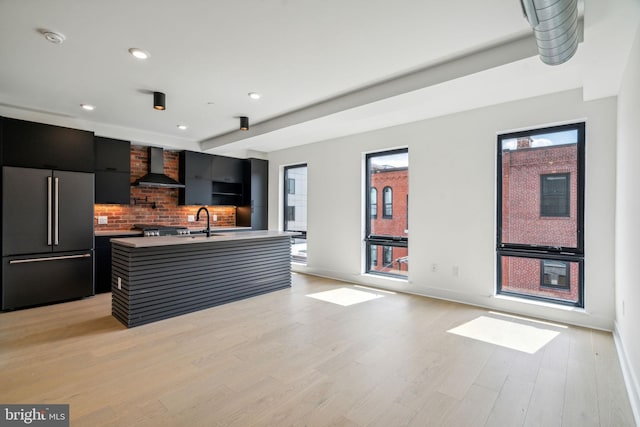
[{"x": 53, "y": 37}]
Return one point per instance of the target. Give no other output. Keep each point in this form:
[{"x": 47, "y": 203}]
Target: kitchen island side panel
[{"x": 159, "y": 282}]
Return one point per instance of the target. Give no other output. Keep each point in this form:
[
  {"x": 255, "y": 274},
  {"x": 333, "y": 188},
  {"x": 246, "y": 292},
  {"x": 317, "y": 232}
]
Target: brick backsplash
[{"x": 167, "y": 211}]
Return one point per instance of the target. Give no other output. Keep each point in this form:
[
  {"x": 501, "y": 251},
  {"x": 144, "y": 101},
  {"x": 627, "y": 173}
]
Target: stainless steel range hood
[{"x": 156, "y": 176}]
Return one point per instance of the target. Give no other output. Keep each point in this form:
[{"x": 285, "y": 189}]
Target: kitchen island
[{"x": 155, "y": 278}]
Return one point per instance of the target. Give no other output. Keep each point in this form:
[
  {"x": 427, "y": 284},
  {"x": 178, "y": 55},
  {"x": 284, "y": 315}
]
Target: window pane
[
  {"x": 295, "y": 209},
  {"x": 388, "y": 259},
  {"x": 550, "y": 279},
  {"x": 539, "y": 189},
  {"x": 373, "y": 200},
  {"x": 391, "y": 173},
  {"x": 299, "y": 250}
]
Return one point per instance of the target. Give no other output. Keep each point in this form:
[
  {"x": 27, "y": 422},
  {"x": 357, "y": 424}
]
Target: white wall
[
  {"x": 627, "y": 227},
  {"x": 452, "y": 202}
]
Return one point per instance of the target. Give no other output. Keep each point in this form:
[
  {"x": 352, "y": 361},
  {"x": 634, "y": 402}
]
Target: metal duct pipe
[{"x": 555, "y": 25}]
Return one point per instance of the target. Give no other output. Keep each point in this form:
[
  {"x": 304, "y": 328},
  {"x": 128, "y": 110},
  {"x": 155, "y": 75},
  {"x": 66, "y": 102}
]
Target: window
[
  {"x": 387, "y": 256},
  {"x": 554, "y": 194},
  {"x": 387, "y": 200},
  {"x": 387, "y": 233},
  {"x": 291, "y": 186},
  {"x": 291, "y": 213},
  {"x": 295, "y": 209},
  {"x": 554, "y": 274},
  {"x": 374, "y": 202},
  {"x": 374, "y": 255},
  {"x": 540, "y": 239}
]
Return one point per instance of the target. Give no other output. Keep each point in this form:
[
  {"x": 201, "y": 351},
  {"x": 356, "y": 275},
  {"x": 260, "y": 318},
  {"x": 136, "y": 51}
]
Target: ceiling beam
[{"x": 503, "y": 53}]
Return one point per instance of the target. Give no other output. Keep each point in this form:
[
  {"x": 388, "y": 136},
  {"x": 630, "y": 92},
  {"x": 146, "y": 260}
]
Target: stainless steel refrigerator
[{"x": 47, "y": 236}]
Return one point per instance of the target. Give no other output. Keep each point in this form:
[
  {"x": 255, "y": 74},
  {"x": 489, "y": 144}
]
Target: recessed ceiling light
[
  {"x": 139, "y": 53},
  {"x": 88, "y": 107},
  {"x": 254, "y": 95},
  {"x": 182, "y": 127}
]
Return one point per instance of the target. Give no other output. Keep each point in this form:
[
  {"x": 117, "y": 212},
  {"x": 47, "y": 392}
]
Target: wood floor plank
[
  {"x": 547, "y": 400},
  {"x": 285, "y": 358}
]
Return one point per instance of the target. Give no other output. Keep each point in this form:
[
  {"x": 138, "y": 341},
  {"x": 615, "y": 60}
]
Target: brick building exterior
[
  {"x": 396, "y": 182},
  {"x": 525, "y": 172}
]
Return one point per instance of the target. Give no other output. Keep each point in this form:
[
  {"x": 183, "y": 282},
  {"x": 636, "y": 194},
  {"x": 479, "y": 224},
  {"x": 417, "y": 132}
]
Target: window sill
[
  {"x": 385, "y": 277},
  {"x": 541, "y": 304}
]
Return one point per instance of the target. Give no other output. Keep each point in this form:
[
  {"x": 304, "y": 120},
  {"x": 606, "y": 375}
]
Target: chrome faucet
[{"x": 208, "y": 222}]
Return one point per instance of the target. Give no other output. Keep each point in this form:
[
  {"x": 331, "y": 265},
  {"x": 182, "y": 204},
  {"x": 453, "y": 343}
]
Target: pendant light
[
  {"x": 159, "y": 102},
  {"x": 244, "y": 123}
]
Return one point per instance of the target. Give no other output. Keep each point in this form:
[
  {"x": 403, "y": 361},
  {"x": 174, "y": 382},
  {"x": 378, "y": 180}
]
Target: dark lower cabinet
[
  {"x": 103, "y": 263},
  {"x": 50, "y": 278}
]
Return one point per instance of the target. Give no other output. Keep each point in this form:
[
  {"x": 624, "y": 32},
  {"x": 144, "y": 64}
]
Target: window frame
[
  {"x": 284, "y": 199},
  {"x": 559, "y": 253},
  {"x": 376, "y": 239}
]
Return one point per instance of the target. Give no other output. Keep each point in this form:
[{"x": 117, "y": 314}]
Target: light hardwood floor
[{"x": 285, "y": 359}]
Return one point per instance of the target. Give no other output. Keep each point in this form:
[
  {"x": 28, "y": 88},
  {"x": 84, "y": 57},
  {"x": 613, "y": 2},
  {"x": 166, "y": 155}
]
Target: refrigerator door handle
[
  {"x": 49, "y": 211},
  {"x": 55, "y": 258},
  {"x": 56, "y": 228}
]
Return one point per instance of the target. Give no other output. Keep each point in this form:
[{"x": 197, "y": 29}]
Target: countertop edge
[{"x": 160, "y": 241}]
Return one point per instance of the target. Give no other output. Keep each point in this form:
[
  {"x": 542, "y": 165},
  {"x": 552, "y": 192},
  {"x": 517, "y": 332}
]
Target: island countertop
[{"x": 149, "y": 242}]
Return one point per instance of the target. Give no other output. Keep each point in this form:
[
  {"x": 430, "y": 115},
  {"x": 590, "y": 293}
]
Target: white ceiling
[{"x": 324, "y": 68}]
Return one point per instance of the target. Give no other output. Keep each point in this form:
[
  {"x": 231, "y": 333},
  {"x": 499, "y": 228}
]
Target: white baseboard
[{"x": 630, "y": 379}]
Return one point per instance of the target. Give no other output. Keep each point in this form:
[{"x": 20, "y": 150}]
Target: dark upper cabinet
[
  {"x": 220, "y": 180},
  {"x": 113, "y": 166},
  {"x": 227, "y": 169},
  {"x": 195, "y": 173},
  {"x": 112, "y": 154},
  {"x": 195, "y": 165},
  {"x": 113, "y": 187},
  {"x": 42, "y": 146},
  {"x": 259, "y": 180}
]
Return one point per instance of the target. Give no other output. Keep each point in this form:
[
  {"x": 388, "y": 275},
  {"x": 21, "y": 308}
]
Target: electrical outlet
[
  {"x": 191, "y": 218},
  {"x": 215, "y": 217},
  {"x": 103, "y": 220},
  {"x": 434, "y": 268}
]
